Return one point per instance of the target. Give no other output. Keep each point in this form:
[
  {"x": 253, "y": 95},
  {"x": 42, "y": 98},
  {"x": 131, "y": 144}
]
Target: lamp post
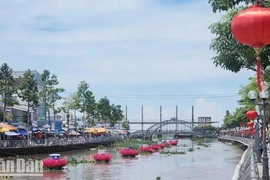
[
  {"x": 264, "y": 95},
  {"x": 257, "y": 135}
]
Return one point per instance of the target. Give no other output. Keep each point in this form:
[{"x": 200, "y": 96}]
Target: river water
[{"x": 216, "y": 162}]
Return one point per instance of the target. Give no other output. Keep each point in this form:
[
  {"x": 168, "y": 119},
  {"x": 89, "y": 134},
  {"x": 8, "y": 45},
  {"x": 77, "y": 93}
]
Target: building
[
  {"x": 18, "y": 111},
  {"x": 204, "y": 121}
]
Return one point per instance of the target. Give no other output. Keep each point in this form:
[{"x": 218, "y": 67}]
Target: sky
[{"x": 136, "y": 52}]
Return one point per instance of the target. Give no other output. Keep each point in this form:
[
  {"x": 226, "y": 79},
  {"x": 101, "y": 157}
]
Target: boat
[
  {"x": 128, "y": 152},
  {"x": 54, "y": 162}
]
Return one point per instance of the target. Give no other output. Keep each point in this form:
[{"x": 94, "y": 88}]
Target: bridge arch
[{"x": 154, "y": 128}]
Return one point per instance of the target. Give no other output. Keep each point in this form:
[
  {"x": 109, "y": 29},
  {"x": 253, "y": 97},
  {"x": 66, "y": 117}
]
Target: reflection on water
[{"x": 207, "y": 163}]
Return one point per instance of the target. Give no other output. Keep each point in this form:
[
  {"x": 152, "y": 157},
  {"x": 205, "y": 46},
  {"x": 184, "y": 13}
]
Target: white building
[
  {"x": 204, "y": 121},
  {"x": 19, "y": 112}
]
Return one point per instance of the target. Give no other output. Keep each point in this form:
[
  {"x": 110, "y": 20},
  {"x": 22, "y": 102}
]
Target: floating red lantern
[
  {"x": 252, "y": 114},
  {"x": 252, "y": 27},
  {"x": 128, "y": 152},
  {"x": 102, "y": 157}
]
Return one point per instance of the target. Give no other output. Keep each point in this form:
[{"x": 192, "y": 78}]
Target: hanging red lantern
[
  {"x": 250, "y": 124},
  {"x": 252, "y": 27},
  {"x": 252, "y": 114}
]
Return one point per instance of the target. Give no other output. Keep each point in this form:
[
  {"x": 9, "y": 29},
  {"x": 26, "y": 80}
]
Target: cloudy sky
[{"x": 135, "y": 52}]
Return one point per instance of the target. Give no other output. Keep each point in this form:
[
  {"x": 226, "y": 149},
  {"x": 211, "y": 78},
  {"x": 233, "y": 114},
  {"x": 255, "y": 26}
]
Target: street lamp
[
  {"x": 264, "y": 95},
  {"x": 257, "y": 135}
]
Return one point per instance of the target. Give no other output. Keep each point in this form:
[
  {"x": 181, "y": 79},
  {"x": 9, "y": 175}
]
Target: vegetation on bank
[
  {"x": 83, "y": 100},
  {"x": 233, "y": 56}
]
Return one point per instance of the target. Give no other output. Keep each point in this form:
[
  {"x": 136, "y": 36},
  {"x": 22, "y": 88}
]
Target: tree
[
  {"x": 231, "y": 54},
  {"x": 116, "y": 114},
  {"x": 125, "y": 125},
  {"x": 29, "y": 93},
  {"x": 225, "y": 5},
  {"x": 104, "y": 109},
  {"x": 54, "y": 93},
  {"x": 7, "y": 88},
  {"x": 90, "y": 107},
  {"x": 81, "y": 94}
]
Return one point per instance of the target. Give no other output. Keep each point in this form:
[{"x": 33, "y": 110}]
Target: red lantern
[
  {"x": 250, "y": 124},
  {"x": 252, "y": 26},
  {"x": 252, "y": 114}
]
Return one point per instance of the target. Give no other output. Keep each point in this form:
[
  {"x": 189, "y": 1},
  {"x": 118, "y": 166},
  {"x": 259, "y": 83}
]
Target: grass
[{"x": 172, "y": 152}]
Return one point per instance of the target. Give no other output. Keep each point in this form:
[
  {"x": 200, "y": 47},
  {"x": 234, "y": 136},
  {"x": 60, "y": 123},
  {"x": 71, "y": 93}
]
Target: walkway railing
[
  {"x": 247, "y": 168},
  {"x": 8, "y": 144}
]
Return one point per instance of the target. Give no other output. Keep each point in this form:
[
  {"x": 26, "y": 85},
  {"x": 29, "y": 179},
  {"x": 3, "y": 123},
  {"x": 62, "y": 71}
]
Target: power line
[
  {"x": 195, "y": 97},
  {"x": 168, "y": 96}
]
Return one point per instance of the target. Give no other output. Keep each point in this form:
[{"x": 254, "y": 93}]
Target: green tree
[
  {"x": 29, "y": 93},
  {"x": 90, "y": 107},
  {"x": 225, "y": 5},
  {"x": 104, "y": 109},
  {"x": 81, "y": 94},
  {"x": 116, "y": 115},
  {"x": 7, "y": 88},
  {"x": 231, "y": 54},
  {"x": 125, "y": 125}
]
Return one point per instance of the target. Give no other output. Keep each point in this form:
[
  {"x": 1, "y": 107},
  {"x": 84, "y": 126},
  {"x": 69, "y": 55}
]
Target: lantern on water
[
  {"x": 251, "y": 27},
  {"x": 252, "y": 114}
]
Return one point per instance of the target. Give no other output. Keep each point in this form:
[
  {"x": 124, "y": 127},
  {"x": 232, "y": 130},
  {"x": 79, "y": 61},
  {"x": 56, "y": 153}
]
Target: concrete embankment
[
  {"x": 4, "y": 152},
  {"x": 247, "y": 168}
]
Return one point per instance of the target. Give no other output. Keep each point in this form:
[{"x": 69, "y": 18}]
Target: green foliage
[
  {"x": 104, "y": 109},
  {"x": 225, "y": 5},
  {"x": 125, "y": 125},
  {"x": 28, "y": 90},
  {"x": 231, "y": 54},
  {"x": 116, "y": 115},
  {"x": 7, "y": 88}
]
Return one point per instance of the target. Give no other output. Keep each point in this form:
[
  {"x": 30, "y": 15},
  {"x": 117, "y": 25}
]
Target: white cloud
[{"x": 204, "y": 108}]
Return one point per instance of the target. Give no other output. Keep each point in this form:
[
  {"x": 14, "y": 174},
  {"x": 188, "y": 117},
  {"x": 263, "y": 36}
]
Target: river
[{"x": 206, "y": 163}]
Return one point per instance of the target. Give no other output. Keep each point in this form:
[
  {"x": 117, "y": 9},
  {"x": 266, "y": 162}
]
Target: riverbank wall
[
  {"x": 47, "y": 149},
  {"x": 247, "y": 168}
]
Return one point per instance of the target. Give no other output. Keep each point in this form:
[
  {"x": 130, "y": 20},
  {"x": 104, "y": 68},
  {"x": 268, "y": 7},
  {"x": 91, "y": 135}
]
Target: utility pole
[
  {"x": 142, "y": 118},
  {"x": 192, "y": 117},
  {"x": 126, "y": 113},
  {"x": 160, "y": 118}
]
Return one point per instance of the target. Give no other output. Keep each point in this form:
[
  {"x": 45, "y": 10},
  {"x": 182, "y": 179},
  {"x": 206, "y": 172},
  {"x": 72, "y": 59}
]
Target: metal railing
[
  {"x": 8, "y": 144},
  {"x": 247, "y": 168}
]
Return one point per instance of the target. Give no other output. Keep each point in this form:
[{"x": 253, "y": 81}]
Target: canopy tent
[
  {"x": 22, "y": 132},
  {"x": 10, "y": 133},
  {"x": 95, "y": 130},
  {"x": 7, "y": 127},
  {"x": 3, "y": 129},
  {"x": 74, "y": 133}
]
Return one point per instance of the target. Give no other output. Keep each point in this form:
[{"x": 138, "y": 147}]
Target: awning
[
  {"x": 22, "y": 132},
  {"x": 8, "y": 126},
  {"x": 10, "y": 133},
  {"x": 2, "y": 129},
  {"x": 95, "y": 130},
  {"x": 20, "y": 108},
  {"x": 74, "y": 133}
]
